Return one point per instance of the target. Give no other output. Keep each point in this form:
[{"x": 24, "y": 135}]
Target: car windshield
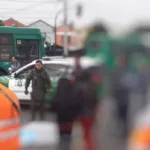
[{"x": 54, "y": 69}]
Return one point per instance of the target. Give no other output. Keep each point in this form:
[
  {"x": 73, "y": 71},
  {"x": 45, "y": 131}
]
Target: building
[
  {"x": 83, "y": 34},
  {"x": 71, "y": 34},
  {"x": 46, "y": 29},
  {"x": 11, "y": 21}
]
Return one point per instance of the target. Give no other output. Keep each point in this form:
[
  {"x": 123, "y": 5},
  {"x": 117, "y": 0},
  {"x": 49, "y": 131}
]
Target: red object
[
  {"x": 66, "y": 127},
  {"x": 87, "y": 124},
  {"x": 12, "y": 21},
  {"x": 96, "y": 78}
]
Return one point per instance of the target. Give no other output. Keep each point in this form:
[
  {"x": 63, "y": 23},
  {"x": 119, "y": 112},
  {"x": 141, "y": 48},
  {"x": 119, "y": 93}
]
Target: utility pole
[
  {"x": 65, "y": 28},
  {"x": 57, "y": 14}
]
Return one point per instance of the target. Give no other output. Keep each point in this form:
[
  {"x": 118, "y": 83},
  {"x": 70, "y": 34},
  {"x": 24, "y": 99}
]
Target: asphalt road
[{"x": 107, "y": 129}]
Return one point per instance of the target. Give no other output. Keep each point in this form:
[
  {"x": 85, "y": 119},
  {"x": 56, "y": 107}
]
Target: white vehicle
[{"x": 54, "y": 68}]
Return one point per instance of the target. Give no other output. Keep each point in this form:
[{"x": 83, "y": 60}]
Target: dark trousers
[
  {"x": 65, "y": 131},
  {"x": 122, "y": 102},
  {"x": 37, "y": 105}
]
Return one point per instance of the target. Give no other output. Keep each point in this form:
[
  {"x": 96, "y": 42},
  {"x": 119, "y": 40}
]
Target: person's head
[
  {"x": 14, "y": 59},
  {"x": 38, "y": 65}
]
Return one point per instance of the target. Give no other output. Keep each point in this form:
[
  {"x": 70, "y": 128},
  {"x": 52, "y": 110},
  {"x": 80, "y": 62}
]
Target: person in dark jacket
[
  {"x": 40, "y": 84},
  {"x": 85, "y": 92},
  {"x": 66, "y": 110}
]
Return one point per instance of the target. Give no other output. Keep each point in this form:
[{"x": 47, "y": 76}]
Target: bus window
[
  {"x": 6, "y": 47},
  {"x": 28, "y": 50}
]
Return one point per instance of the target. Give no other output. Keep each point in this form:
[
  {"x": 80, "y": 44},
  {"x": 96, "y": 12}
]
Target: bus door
[{"x": 27, "y": 50}]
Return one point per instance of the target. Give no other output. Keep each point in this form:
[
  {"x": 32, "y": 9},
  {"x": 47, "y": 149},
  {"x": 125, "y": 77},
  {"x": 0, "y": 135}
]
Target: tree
[{"x": 1, "y": 23}]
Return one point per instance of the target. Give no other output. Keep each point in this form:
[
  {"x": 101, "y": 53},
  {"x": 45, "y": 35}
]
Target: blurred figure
[
  {"x": 40, "y": 84},
  {"x": 10, "y": 124},
  {"x": 121, "y": 90},
  {"x": 66, "y": 108},
  {"x": 144, "y": 80},
  {"x": 77, "y": 70},
  {"x": 15, "y": 65},
  {"x": 85, "y": 92}
]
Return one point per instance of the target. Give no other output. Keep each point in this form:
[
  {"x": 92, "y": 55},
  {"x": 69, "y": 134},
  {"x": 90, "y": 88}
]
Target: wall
[
  {"x": 46, "y": 30},
  {"x": 71, "y": 36}
]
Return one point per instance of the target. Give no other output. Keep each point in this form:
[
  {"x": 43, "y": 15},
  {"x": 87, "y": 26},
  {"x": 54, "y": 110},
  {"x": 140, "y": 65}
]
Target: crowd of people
[{"x": 75, "y": 99}]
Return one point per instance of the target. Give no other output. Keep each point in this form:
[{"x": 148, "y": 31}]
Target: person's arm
[
  {"x": 47, "y": 80},
  {"x": 18, "y": 65},
  {"x": 15, "y": 67},
  {"x": 28, "y": 80}
]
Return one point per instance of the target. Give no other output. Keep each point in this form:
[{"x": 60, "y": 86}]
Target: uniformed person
[{"x": 40, "y": 83}]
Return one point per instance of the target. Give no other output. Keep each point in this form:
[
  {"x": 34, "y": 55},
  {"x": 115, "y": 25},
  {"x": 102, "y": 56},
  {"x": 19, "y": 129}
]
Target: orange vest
[{"x": 9, "y": 120}]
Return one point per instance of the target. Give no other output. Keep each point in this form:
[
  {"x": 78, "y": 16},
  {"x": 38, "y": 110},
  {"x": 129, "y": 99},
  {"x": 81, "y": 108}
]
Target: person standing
[
  {"x": 40, "y": 83},
  {"x": 66, "y": 109},
  {"x": 85, "y": 93},
  {"x": 144, "y": 80},
  {"x": 121, "y": 91},
  {"x": 15, "y": 65}
]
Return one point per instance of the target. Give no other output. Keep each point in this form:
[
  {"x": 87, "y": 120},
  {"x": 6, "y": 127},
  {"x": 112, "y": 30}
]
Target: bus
[
  {"x": 26, "y": 44},
  {"x": 104, "y": 47}
]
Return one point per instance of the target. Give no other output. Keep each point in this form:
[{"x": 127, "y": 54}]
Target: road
[
  {"x": 108, "y": 132},
  {"x": 110, "y": 128}
]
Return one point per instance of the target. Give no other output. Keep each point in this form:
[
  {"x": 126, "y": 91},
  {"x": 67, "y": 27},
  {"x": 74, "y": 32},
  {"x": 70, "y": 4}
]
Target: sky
[{"x": 117, "y": 14}]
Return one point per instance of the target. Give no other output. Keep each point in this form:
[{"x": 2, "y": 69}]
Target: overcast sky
[{"x": 116, "y": 13}]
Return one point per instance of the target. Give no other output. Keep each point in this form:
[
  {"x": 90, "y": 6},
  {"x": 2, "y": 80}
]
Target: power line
[
  {"x": 36, "y": 11},
  {"x": 32, "y": 17},
  {"x": 8, "y": 8},
  {"x": 29, "y": 7},
  {"x": 7, "y": 12},
  {"x": 49, "y": 16},
  {"x": 20, "y": 1}
]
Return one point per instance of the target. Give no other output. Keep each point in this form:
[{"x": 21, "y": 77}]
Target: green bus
[
  {"x": 25, "y": 43},
  {"x": 106, "y": 48}
]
